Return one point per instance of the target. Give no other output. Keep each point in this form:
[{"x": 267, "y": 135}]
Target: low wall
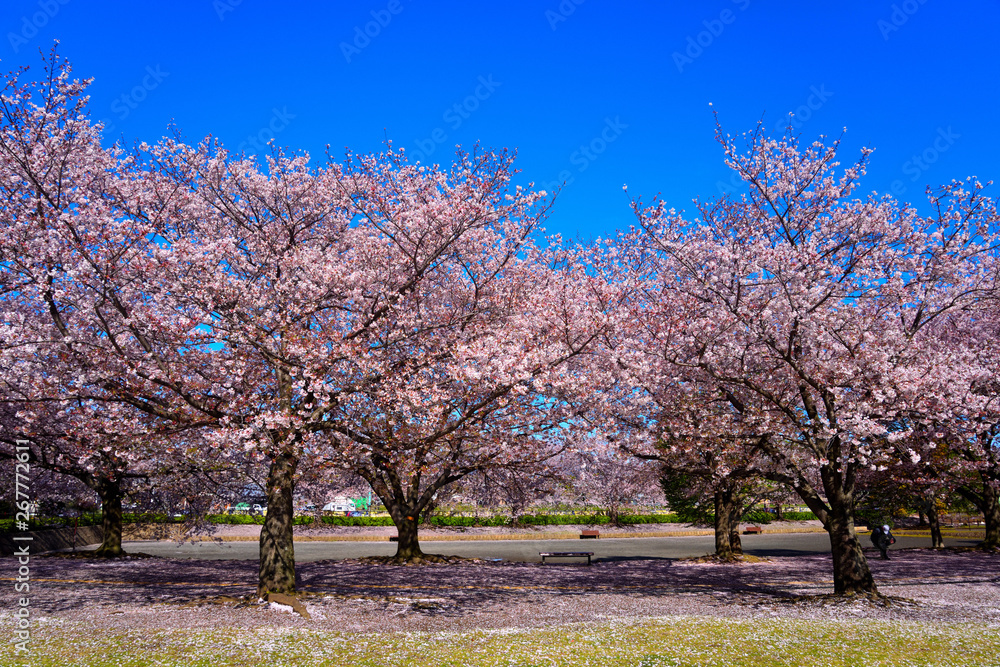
[{"x": 50, "y": 540}]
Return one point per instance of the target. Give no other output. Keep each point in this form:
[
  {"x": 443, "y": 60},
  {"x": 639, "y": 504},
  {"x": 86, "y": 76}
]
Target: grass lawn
[{"x": 650, "y": 642}]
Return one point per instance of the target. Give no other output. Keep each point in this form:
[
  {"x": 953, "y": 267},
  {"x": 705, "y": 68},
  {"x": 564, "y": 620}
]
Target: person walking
[{"x": 882, "y": 539}]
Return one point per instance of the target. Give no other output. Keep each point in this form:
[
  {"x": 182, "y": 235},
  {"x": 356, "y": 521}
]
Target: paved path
[{"x": 619, "y": 549}]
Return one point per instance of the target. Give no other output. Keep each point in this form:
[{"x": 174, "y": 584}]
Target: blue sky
[{"x": 588, "y": 91}]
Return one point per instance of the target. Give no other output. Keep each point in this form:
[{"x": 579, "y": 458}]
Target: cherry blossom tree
[
  {"x": 956, "y": 445},
  {"x": 276, "y": 307},
  {"x": 661, "y": 406},
  {"x": 981, "y": 483},
  {"x": 600, "y": 473},
  {"x": 514, "y": 488},
  {"x": 86, "y": 454},
  {"x": 81, "y": 441},
  {"x": 50, "y": 155},
  {"x": 108, "y": 446},
  {"x": 473, "y": 375},
  {"x": 804, "y": 310}
]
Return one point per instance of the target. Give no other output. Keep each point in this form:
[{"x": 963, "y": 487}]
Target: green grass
[{"x": 662, "y": 642}]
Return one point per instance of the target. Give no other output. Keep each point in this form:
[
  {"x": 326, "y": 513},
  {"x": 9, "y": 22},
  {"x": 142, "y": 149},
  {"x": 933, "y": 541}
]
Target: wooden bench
[
  {"x": 566, "y": 554},
  {"x": 752, "y": 530},
  {"x": 589, "y": 534}
]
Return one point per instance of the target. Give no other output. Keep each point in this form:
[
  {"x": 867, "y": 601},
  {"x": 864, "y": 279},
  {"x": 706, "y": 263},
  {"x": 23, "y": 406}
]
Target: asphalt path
[{"x": 615, "y": 549}]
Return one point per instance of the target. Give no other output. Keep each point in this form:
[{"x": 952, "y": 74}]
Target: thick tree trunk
[
  {"x": 724, "y": 527},
  {"x": 112, "y": 518},
  {"x": 851, "y": 574},
  {"x": 277, "y": 549},
  {"x": 406, "y": 501},
  {"x": 407, "y": 524}
]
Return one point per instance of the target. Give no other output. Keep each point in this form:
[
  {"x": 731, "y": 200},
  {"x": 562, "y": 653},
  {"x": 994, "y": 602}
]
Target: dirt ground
[{"x": 937, "y": 586}]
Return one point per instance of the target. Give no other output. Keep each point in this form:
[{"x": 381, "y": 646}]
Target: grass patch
[{"x": 657, "y": 642}]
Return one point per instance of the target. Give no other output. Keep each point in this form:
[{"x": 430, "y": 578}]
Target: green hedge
[
  {"x": 458, "y": 521},
  {"x": 799, "y": 516},
  {"x": 251, "y": 519},
  {"x": 583, "y": 519},
  {"x": 150, "y": 517},
  {"x": 357, "y": 520},
  {"x": 758, "y": 516},
  {"x": 41, "y": 523},
  {"x": 548, "y": 520},
  {"x": 9, "y": 525}
]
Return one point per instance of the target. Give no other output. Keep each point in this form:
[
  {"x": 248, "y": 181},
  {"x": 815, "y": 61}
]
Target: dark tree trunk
[
  {"x": 987, "y": 500},
  {"x": 851, "y": 574},
  {"x": 407, "y": 525},
  {"x": 724, "y": 528},
  {"x": 277, "y": 548},
  {"x": 937, "y": 541},
  {"x": 779, "y": 513},
  {"x": 406, "y": 503},
  {"x": 735, "y": 542},
  {"x": 112, "y": 518},
  {"x": 991, "y": 516}
]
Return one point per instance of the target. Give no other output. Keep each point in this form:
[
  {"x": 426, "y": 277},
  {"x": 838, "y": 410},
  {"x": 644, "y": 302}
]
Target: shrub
[
  {"x": 550, "y": 520},
  {"x": 758, "y": 516},
  {"x": 251, "y": 519},
  {"x": 357, "y": 520},
  {"x": 41, "y": 523}
]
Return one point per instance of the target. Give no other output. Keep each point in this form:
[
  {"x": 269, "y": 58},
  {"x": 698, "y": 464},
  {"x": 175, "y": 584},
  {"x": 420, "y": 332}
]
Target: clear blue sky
[{"x": 602, "y": 93}]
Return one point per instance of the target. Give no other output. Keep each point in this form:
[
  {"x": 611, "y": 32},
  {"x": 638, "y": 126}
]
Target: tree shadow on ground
[{"x": 62, "y": 584}]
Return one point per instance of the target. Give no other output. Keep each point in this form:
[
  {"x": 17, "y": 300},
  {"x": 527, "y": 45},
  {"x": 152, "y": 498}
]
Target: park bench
[
  {"x": 752, "y": 530},
  {"x": 565, "y": 554},
  {"x": 589, "y": 534}
]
